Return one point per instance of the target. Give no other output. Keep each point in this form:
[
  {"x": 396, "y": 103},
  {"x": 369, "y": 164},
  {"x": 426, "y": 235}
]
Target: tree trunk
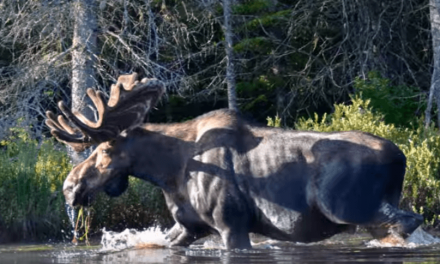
[
  {"x": 230, "y": 71},
  {"x": 434, "y": 90},
  {"x": 83, "y": 76}
]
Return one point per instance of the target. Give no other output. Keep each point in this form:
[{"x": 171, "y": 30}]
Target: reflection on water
[{"x": 125, "y": 248}]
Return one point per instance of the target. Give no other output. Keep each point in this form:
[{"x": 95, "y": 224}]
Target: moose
[{"x": 221, "y": 174}]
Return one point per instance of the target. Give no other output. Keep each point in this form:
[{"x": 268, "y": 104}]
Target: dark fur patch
[{"x": 117, "y": 186}]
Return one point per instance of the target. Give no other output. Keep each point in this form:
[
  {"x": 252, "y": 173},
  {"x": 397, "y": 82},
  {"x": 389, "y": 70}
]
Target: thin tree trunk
[
  {"x": 83, "y": 76},
  {"x": 230, "y": 71},
  {"x": 434, "y": 90}
]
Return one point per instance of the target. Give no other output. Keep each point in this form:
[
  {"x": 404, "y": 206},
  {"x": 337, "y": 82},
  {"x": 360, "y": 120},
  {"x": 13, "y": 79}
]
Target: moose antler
[{"x": 129, "y": 102}]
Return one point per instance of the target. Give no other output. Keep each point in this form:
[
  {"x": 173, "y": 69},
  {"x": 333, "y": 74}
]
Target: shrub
[
  {"x": 274, "y": 122},
  {"x": 400, "y": 105},
  {"x": 421, "y": 147}
]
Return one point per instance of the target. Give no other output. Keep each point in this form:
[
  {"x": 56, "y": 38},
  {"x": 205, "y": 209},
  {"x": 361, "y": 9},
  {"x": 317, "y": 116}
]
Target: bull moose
[{"x": 225, "y": 175}]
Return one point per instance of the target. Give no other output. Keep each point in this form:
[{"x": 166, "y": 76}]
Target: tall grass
[{"x": 31, "y": 178}]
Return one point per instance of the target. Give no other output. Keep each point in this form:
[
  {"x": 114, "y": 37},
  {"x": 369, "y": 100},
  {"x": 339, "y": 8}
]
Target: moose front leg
[
  {"x": 181, "y": 236},
  {"x": 184, "y": 239},
  {"x": 174, "y": 232}
]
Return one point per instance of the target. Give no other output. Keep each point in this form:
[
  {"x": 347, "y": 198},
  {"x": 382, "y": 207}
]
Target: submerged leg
[
  {"x": 232, "y": 219},
  {"x": 389, "y": 220},
  {"x": 233, "y": 240}
]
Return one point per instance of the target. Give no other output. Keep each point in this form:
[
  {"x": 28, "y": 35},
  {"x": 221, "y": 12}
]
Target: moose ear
[{"x": 117, "y": 186}]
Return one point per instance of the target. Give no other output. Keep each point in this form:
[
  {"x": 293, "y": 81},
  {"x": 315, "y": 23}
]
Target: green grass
[{"x": 31, "y": 177}]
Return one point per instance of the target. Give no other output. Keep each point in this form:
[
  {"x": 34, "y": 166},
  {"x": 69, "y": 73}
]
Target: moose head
[{"x": 108, "y": 167}]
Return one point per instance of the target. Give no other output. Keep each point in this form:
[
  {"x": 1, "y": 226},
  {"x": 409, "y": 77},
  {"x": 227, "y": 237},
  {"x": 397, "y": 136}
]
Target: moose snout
[
  {"x": 76, "y": 188},
  {"x": 69, "y": 193},
  {"x": 73, "y": 193}
]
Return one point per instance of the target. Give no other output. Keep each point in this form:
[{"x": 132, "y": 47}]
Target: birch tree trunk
[
  {"x": 83, "y": 76},
  {"x": 230, "y": 71},
  {"x": 434, "y": 91}
]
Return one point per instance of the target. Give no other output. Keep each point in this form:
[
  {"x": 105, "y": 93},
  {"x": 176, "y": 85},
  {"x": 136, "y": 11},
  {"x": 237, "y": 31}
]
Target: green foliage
[
  {"x": 260, "y": 85},
  {"x": 267, "y": 20},
  {"x": 257, "y": 45},
  {"x": 421, "y": 147},
  {"x": 274, "y": 122},
  {"x": 258, "y": 95},
  {"x": 31, "y": 178},
  {"x": 251, "y": 7},
  {"x": 399, "y": 104}
]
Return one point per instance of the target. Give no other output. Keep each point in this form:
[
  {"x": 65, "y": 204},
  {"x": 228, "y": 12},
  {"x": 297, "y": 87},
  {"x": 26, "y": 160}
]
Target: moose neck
[{"x": 159, "y": 152}]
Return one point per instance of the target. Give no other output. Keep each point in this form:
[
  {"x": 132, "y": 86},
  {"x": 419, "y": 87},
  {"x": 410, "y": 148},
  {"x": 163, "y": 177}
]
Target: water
[{"x": 150, "y": 246}]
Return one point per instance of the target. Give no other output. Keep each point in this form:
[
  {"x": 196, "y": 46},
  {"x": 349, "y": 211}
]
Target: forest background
[{"x": 320, "y": 65}]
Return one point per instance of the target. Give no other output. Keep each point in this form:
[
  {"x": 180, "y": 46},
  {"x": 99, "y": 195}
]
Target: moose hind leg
[
  {"x": 232, "y": 219},
  {"x": 234, "y": 229},
  {"x": 390, "y": 220}
]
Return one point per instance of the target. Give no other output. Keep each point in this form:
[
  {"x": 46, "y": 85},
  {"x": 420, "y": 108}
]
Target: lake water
[{"x": 150, "y": 246}]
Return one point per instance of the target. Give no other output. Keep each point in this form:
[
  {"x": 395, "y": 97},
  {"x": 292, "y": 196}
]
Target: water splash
[
  {"x": 155, "y": 238},
  {"x": 417, "y": 238},
  {"x": 72, "y": 213},
  {"x": 211, "y": 244},
  {"x": 266, "y": 244},
  {"x": 152, "y": 237},
  {"x": 420, "y": 237}
]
